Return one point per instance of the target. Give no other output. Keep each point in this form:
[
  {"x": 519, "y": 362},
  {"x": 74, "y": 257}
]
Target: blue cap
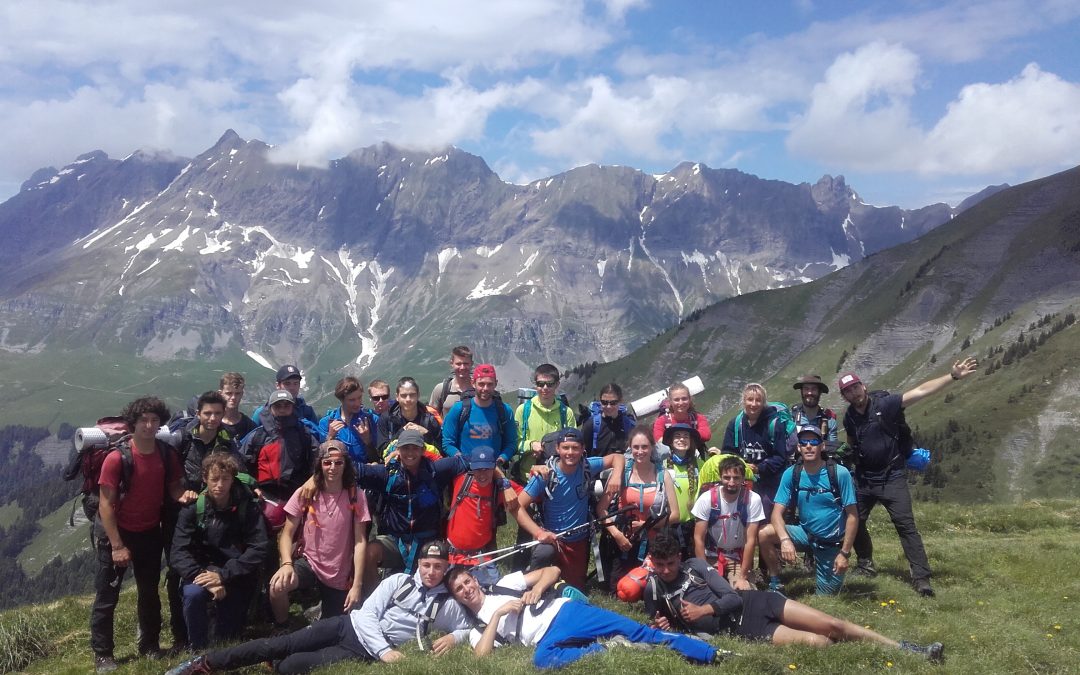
[
  {"x": 810, "y": 429},
  {"x": 482, "y": 457},
  {"x": 570, "y": 434}
]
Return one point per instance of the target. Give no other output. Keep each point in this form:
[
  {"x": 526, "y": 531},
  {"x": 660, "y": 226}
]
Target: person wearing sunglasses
[
  {"x": 826, "y": 516},
  {"x": 607, "y": 428},
  {"x": 324, "y": 540}
]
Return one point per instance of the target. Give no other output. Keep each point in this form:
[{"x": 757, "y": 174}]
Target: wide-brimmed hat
[
  {"x": 669, "y": 433},
  {"x": 811, "y": 379}
]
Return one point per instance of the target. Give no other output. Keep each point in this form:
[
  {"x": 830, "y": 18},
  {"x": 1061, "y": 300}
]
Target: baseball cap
[
  {"x": 332, "y": 445},
  {"x": 279, "y": 395},
  {"x": 484, "y": 370},
  {"x": 570, "y": 434},
  {"x": 482, "y": 457},
  {"x": 810, "y": 429},
  {"x": 436, "y": 548},
  {"x": 410, "y": 437},
  {"x": 848, "y": 379},
  {"x": 287, "y": 373}
]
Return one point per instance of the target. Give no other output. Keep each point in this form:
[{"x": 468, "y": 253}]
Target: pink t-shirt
[{"x": 328, "y": 540}]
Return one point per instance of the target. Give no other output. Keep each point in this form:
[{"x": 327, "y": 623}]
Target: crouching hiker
[
  {"x": 219, "y": 544},
  {"x": 324, "y": 540},
  {"x": 521, "y": 609},
  {"x": 692, "y": 596},
  {"x": 403, "y": 608}
]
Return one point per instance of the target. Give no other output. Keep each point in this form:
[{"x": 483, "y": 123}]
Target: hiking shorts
[
  {"x": 824, "y": 556},
  {"x": 391, "y": 558},
  {"x": 331, "y": 599},
  {"x": 762, "y": 612}
]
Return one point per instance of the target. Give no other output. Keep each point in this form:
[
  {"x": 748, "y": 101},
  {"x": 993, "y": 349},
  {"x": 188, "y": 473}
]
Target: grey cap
[
  {"x": 280, "y": 395},
  {"x": 410, "y": 437}
]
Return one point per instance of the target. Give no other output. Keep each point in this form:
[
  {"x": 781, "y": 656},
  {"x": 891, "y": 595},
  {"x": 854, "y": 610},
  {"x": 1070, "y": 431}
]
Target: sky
[{"x": 913, "y": 102}]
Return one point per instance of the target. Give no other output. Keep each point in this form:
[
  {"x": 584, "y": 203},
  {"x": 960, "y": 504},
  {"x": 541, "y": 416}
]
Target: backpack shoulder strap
[
  {"x": 834, "y": 482},
  {"x": 737, "y": 431},
  {"x": 462, "y": 493},
  {"x": 597, "y": 420},
  {"x": 562, "y": 411},
  {"x": 525, "y": 412},
  {"x": 445, "y": 392},
  {"x": 796, "y": 486}
]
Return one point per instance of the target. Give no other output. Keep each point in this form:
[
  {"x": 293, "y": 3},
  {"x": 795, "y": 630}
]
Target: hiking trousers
[
  {"x": 577, "y": 627},
  {"x": 145, "y": 548},
  {"x": 324, "y": 642},
  {"x": 894, "y": 496}
]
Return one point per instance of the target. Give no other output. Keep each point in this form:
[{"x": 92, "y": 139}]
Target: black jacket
[
  {"x": 192, "y": 451},
  {"x": 391, "y": 424},
  {"x": 231, "y": 542}
]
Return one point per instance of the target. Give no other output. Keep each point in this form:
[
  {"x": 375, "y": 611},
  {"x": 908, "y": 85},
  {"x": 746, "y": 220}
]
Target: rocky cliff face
[{"x": 388, "y": 256}]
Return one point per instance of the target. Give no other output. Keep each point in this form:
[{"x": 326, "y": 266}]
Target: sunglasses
[
  {"x": 608, "y": 404},
  {"x": 809, "y": 441},
  {"x": 546, "y": 384},
  {"x": 382, "y": 397},
  {"x": 333, "y": 462}
]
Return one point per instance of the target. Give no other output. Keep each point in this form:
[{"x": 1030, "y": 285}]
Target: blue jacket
[
  {"x": 360, "y": 453},
  {"x": 462, "y": 438},
  {"x": 756, "y": 447}
]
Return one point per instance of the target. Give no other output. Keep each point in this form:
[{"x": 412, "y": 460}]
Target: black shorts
[{"x": 761, "y": 615}]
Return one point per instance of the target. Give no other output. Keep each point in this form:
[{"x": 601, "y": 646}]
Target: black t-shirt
[
  {"x": 240, "y": 429},
  {"x": 874, "y": 436}
]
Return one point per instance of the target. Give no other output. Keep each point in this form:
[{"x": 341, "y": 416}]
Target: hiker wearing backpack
[
  {"x": 239, "y": 425},
  {"x": 692, "y": 597},
  {"x": 137, "y": 479},
  {"x": 219, "y": 545},
  {"x": 607, "y": 427},
  {"x": 562, "y": 491},
  {"x": 323, "y": 544},
  {"x": 404, "y": 608},
  {"x": 289, "y": 378},
  {"x": 538, "y": 416},
  {"x": 478, "y": 503},
  {"x": 809, "y": 411},
  {"x": 880, "y": 438},
  {"x": 279, "y": 452},
  {"x": 410, "y": 488},
  {"x": 759, "y": 435},
  {"x": 350, "y": 423},
  {"x": 684, "y": 464},
  {"x": 203, "y": 435},
  {"x": 728, "y": 517},
  {"x": 651, "y": 491},
  {"x": 407, "y": 409},
  {"x": 481, "y": 419},
  {"x": 821, "y": 495},
  {"x": 526, "y": 609},
  {"x": 448, "y": 392},
  {"x": 679, "y": 407}
]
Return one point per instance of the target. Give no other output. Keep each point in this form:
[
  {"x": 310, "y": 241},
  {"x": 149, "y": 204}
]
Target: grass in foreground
[{"x": 1007, "y": 601}]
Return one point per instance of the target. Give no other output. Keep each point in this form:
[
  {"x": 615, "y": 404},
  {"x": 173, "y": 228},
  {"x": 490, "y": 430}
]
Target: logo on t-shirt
[{"x": 480, "y": 432}]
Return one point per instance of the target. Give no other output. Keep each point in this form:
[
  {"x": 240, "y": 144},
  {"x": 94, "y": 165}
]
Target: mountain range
[{"x": 167, "y": 269}]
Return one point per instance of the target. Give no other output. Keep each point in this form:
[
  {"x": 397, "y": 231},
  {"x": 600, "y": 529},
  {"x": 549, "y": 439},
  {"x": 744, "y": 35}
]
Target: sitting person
[
  {"x": 691, "y": 596},
  {"x": 561, "y": 629},
  {"x": 728, "y": 518},
  {"x": 324, "y": 540},
  {"x": 219, "y": 544},
  {"x": 403, "y": 608},
  {"x": 822, "y": 495}
]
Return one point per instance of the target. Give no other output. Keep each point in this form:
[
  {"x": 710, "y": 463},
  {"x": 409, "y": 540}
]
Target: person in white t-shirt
[
  {"x": 728, "y": 517},
  {"x": 524, "y": 609}
]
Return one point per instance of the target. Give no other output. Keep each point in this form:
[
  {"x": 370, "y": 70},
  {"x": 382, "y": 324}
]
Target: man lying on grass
[
  {"x": 693, "y": 597},
  {"x": 523, "y": 609}
]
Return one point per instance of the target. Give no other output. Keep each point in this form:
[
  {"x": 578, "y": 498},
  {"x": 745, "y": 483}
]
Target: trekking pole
[{"x": 508, "y": 551}]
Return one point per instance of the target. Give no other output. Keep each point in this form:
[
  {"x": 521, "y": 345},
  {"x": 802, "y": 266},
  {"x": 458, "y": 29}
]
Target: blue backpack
[{"x": 628, "y": 421}]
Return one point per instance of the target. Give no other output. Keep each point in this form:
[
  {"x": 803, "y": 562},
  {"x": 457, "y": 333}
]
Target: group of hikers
[{"x": 254, "y": 513}]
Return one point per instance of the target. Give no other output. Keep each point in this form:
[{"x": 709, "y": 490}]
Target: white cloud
[{"x": 860, "y": 117}]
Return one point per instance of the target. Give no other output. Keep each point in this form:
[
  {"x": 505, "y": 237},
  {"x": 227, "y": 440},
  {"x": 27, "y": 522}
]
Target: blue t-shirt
[
  {"x": 569, "y": 503},
  {"x": 819, "y": 514},
  {"x": 481, "y": 429}
]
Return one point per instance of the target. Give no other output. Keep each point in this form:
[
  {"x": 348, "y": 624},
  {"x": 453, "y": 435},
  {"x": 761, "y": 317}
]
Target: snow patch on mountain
[
  {"x": 839, "y": 261},
  {"x": 486, "y": 252},
  {"x": 259, "y": 359},
  {"x": 445, "y": 256}
]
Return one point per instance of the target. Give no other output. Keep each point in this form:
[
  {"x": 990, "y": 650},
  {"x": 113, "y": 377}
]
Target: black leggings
[{"x": 320, "y": 644}]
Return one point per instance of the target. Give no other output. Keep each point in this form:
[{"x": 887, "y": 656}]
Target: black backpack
[
  {"x": 796, "y": 486},
  {"x": 903, "y": 442}
]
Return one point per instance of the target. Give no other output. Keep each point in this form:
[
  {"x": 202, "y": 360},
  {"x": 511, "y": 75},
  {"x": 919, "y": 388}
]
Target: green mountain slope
[{"x": 1001, "y": 281}]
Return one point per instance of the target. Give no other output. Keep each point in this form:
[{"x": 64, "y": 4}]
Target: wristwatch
[{"x": 846, "y": 554}]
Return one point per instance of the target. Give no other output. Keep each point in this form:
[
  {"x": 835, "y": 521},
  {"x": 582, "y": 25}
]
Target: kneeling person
[
  {"x": 729, "y": 516},
  {"x": 824, "y": 501},
  {"x": 561, "y": 629},
  {"x": 691, "y": 596},
  {"x": 219, "y": 544}
]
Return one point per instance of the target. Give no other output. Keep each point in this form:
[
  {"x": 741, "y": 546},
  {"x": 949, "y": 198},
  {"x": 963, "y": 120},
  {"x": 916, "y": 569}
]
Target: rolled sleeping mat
[{"x": 647, "y": 405}]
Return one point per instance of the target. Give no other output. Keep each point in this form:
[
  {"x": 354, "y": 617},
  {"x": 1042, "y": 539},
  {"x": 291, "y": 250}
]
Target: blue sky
[{"x": 913, "y": 102}]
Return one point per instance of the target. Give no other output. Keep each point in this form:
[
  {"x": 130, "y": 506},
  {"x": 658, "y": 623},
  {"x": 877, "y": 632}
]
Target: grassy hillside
[
  {"x": 1007, "y": 602},
  {"x": 1001, "y": 282}
]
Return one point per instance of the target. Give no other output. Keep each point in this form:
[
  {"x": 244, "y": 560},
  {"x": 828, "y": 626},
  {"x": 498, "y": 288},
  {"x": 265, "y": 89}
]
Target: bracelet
[
  {"x": 286, "y": 563},
  {"x": 785, "y": 539},
  {"x": 953, "y": 375}
]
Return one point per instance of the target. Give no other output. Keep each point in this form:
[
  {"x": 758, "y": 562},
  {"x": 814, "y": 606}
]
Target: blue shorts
[{"x": 824, "y": 557}]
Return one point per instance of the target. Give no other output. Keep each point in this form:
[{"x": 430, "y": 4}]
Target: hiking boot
[
  {"x": 722, "y": 654},
  {"x": 923, "y": 588},
  {"x": 152, "y": 652},
  {"x": 775, "y": 585},
  {"x": 195, "y": 666},
  {"x": 865, "y": 568},
  {"x": 104, "y": 664},
  {"x": 935, "y": 651}
]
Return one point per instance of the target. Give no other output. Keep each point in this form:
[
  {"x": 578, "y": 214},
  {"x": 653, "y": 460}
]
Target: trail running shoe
[
  {"x": 923, "y": 588},
  {"x": 865, "y": 568},
  {"x": 195, "y": 666}
]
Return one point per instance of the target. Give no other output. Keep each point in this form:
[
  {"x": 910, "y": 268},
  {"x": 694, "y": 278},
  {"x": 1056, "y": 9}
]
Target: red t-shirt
[
  {"x": 140, "y": 508},
  {"x": 473, "y": 524},
  {"x": 666, "y": 420}
]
